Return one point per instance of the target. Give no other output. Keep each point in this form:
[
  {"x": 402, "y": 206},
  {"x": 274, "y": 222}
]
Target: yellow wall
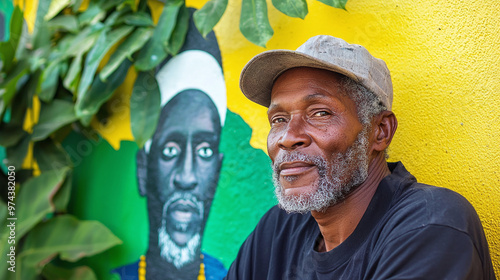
[
  {"x": 445, "y": 62},
  {"x": 444, "y": 58}
]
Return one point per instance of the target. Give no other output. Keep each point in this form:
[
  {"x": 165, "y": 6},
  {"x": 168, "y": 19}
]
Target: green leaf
[
  {"x": 92, "y": 62},
  {"x": 55, "y": 7},
  {"x": 65, "y": 22},
  {"x": 11, "y": 134},
  {"x": 22, "y": 99},
  {"x": 13, "y": 82},
  {"x": 17, "y": 153},
  {"x": 52, "y": 272},
  {"x": 50, "y": 155},
  {"x": 40, "y": 57},
  {"x": 335, "y": 3},
  {"x": 93, "y": 14},
  {"x": 132, "y": 4},
  {"x": 34, "y": 200},
  {"x": 83, "y": 41},
  {"x": 53, "y": 116},
  {"x": 138, "y": 19},
  {"x": 125, "y": 50},
  {"x": 144, "y": 107},
  {"x": 207, "y": 17},
  {"x": 109, "y": 4},
  {"x": 41, "y": 33},
  {"x": 73, "y": 76},
  {"x": 179, "y": 34},
  {"x": 254, "y": 24},
  {"x": 97, "y": 53},
  {"x": 154, "y": 52},
  {"x": 114, "y": 17},
  {"x": 50, "y": 81},
  {"x": 89, "y": 102},
  {"x": 67, "y": 237},
  {"x": 292, "y": 8},
  {"x": 3, "y": 210},
  {"x": 14, "y": 92},
  {"x": 8, "y": 48},
  {"x": 61, "y": 199},
  {"x": 76, "y": 5}
]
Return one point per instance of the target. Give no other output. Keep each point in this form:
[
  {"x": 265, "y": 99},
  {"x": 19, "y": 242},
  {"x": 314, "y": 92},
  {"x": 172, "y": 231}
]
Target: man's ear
[
  {"x": 142, "y": 170},
  {"x": 384, "y": 126}
]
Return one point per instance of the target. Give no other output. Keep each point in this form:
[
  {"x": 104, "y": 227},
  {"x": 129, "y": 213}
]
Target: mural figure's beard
[
  {"x": 336, "y": 178},
  {"x": 175, "y": 254},
  {"x": 179, "y": 255}
]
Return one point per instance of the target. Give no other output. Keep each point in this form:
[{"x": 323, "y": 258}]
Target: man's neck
[{"x": 340, "y": 220}]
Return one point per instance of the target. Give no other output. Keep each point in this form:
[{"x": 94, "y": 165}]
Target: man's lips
[
  {"x": 183, "y": 203},
  {"x": 183, "y": 211},
  {"x": 295, "y": 168}
]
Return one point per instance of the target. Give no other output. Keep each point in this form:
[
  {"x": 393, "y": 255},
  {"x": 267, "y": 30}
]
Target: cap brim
[{"x": 258, "y": 76}]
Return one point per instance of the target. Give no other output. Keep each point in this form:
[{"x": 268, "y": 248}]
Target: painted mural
[
  {"x": 178, "y": 169},
  {"x": 171, "y": 201}
]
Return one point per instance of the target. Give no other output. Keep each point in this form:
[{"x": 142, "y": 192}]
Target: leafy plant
[
  {"x": 71, "y": 65},
  {"x": 254, "y": 22}
]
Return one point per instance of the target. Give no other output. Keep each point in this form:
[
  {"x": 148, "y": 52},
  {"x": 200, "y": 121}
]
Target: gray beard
[
  {"x": 175, "y": 254},
  {"x": 336, "y": 179}
]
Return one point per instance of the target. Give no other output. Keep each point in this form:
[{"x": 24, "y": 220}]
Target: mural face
[
  {"x": 183, "y": 170},
  {"x": 178, "y": 172},
  {"x": 178, "y": 168}
]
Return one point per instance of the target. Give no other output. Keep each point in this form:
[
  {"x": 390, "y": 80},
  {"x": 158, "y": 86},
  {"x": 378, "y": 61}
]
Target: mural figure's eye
[
  {"x": 171, "y": 150},
  {"x": 205, "y": 152}
]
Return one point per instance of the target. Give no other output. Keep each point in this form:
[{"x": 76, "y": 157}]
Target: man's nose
[
  {"x": 185, "y": 175},
  {"x": 294, "y": 135}
]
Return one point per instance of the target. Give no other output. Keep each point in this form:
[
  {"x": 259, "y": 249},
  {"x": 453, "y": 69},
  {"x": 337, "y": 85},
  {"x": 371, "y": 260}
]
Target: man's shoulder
[
  {"x": 278, "y": 226},
  {"x": 422, "y": 205}
]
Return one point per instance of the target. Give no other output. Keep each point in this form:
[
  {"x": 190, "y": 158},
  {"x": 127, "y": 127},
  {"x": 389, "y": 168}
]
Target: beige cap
[{"x": 323, "y": 52}]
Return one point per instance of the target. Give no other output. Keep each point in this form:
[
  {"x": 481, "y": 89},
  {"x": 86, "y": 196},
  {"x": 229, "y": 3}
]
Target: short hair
[{"x": 367, "y": 103}]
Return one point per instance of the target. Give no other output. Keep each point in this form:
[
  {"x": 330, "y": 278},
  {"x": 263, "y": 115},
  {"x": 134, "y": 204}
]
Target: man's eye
[
  {"x": 171, "y": 151},
  {"x": 278, "y": 120},
  {"x": 321, "y": 114},
  {"x": 205, "y": 152}
]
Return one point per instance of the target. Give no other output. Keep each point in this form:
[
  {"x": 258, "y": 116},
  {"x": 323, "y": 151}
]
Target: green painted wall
[
  {"x": 244, "y": 193},
  {"x": 105, "y": 189}
]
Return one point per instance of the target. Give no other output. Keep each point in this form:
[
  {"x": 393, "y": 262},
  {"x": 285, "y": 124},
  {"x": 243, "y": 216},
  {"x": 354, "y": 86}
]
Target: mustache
[
  {"x": 289, "y": 156},
  {"x": 184, "y": 196},
  {"x": 191, "y": 198}
]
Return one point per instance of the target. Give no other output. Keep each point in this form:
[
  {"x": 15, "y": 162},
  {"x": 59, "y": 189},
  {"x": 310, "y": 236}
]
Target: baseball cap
[{"x": 323, "y": 52}]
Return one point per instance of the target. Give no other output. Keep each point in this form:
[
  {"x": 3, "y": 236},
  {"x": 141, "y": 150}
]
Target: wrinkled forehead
[{"x": 309, "y": 83}]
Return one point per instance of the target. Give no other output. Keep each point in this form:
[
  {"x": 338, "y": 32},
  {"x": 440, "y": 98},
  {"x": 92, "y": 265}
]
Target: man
[
  {"x": 178, "y": 169},
  {"x": 344, "y": 213}
]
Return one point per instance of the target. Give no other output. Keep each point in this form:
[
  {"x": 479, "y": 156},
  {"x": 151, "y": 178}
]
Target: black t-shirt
[{"x": 409, "y": 231}]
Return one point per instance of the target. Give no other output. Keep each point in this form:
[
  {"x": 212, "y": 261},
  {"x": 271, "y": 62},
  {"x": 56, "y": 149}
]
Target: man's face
[
  {"x": 184, "y": 166},
  {"x": 316, "y": 142}
]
